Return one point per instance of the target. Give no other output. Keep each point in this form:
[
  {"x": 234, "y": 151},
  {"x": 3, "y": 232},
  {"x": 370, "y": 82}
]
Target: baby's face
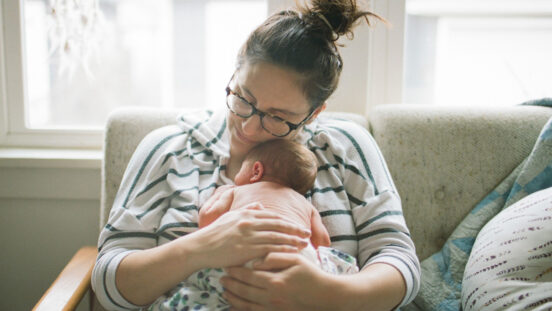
[{"x": 244, "y": 175}]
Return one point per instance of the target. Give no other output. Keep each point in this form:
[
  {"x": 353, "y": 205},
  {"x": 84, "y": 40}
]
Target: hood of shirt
[{"x": 208, "y": 128}]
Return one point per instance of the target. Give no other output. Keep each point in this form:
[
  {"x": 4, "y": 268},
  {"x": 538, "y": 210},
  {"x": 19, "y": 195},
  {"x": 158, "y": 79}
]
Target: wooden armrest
[{"x": 71, "y": 284}]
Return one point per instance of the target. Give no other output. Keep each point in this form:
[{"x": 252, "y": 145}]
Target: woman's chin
[{"x": 240, "y": 146}]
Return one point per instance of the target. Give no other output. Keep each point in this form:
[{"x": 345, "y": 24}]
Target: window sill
[{"x": 50, "y": 158}]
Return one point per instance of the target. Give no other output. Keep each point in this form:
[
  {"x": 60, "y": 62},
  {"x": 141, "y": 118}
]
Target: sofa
[{"x": 443, "y": 160}]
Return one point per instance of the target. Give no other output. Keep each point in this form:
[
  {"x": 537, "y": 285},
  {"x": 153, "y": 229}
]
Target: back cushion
[{"x": 444, "y": 160}]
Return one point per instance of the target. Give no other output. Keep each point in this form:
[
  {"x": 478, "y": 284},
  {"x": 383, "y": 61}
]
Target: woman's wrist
[
  {"x": 189, "y": 253},
  {"x": 339, "y": 293},
  {"x": 379, "y": 287},
  {"x": 161, "y": 268}
]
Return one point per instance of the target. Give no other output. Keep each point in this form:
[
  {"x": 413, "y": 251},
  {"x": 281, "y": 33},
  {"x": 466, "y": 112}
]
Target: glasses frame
[{"x": 292, "y": 126}]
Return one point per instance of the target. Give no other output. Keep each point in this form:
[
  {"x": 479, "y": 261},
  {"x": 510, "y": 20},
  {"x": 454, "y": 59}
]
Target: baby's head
[{"x": 281, "y": 160}]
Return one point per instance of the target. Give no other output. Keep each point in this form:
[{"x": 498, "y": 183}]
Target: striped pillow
[{"x": 511, "y": 260}]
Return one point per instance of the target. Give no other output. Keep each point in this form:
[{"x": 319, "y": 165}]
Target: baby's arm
[
  {"x": 216, "y": 205},
  {"x": 319, "y": 233}
]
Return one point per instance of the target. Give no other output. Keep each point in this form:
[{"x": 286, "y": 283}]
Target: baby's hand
[
  {"x": 217, "y": 194},
  {"x": 218, "y": 204},
  {"x": 223, "y": 188}
]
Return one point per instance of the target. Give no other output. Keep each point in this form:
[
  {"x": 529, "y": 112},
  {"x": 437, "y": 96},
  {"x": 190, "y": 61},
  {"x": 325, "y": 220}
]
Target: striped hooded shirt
[{"x": 176, "y": 168}]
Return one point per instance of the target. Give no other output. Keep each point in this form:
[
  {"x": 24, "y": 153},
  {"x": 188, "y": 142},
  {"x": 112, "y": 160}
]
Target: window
[
  {"x": 161, "y": 53},
  {"x": 69, "y": 63},
  {"x": 481, "y": 53}
]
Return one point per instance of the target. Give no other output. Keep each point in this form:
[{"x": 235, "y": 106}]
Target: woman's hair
[
  {"x": 288, "y": 162},
  {"x": 304, "y": 40}
]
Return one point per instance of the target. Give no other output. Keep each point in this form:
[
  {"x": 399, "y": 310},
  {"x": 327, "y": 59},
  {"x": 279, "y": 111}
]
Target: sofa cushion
[
  {"x": 511, "y": 261},
  {"x": 444, "y": 160}
]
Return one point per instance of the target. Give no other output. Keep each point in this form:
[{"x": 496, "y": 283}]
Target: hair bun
[{"x": 335, "y": 17}]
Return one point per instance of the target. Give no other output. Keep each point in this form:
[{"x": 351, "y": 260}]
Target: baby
[{"x": 275, "y": 174}]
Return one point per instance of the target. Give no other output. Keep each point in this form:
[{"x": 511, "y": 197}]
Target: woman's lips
[{"x": 243, "y": 138}]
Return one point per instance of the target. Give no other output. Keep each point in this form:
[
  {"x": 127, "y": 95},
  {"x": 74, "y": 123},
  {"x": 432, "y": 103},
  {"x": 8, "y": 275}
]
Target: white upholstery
[
  {"x": 510, "y": 266},
  {"x": 443, "y": 160}
]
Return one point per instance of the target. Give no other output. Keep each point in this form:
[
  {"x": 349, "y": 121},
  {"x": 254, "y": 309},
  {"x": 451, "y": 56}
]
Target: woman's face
[{"x": 270, "y": 89}]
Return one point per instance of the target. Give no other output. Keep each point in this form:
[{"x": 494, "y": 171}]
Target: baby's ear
[{"x": 257, "y": 172}]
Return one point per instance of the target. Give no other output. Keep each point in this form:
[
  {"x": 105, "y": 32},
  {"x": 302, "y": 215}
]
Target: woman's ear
[
  {"x": 257, "y": 171},
  {"x": 316, "y": 112}
]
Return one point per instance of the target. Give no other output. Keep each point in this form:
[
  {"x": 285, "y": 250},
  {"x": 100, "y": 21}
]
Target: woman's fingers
[
  {"x": 242, "y": 283},
  {"x": 276, "y": 261},
  {"x": 277, "y": 238},
  {"x": 246, "y": 234},
  {"x": 264, "y": 249},
  {"x": 254, "y": 217},
  {"x": 239, "y": 304},
  {"x": 279, "y": 225},
  {"x": 247, "y": 280},
  {"x": 254, "y": 206}
]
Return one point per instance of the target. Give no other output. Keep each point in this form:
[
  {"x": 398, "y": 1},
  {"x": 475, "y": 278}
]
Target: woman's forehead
[{"x": 272, "y": 87}]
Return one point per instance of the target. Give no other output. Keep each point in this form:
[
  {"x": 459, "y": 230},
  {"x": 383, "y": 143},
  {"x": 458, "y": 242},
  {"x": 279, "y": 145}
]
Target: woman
[{"x": 285, "y": 72}]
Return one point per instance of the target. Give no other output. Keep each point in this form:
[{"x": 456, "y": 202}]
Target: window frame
[
  {"x": 376, "y": 77},
  {"x": 14, "y": 133},
  {"x": 502, "y": 8}
]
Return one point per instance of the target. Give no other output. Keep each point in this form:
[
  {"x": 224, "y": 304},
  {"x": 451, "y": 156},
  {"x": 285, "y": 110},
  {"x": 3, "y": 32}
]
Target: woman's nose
[{"x": 251, "y": 125}]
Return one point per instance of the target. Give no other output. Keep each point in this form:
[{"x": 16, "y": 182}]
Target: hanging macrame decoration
[{"x": 74, "y": 34}]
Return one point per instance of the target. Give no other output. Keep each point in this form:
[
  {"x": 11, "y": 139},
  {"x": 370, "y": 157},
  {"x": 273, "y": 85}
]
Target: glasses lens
[
  {"x": 238, "y": 106},
  {"x": 275, "y": 126}
]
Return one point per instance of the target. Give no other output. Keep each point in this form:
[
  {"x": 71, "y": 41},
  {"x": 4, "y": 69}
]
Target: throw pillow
[{"x": 510, "y": 266}]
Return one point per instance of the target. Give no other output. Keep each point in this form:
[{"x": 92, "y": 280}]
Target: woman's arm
[
  {"x": 157, "y": 204},
  {"x": 143, "y": 276},
  {"x": 233, "y": 239},
  {"x": 354, "y": 167},
  {"x": 303, "y": 286}
]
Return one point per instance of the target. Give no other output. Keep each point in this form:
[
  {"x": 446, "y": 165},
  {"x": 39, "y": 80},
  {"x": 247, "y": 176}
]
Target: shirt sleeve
[
  {"x": 382, "y": 234},
  {"x": 134, "y": 219}
]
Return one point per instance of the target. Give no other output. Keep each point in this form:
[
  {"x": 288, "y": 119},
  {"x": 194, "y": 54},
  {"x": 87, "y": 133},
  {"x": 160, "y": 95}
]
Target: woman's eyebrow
[
  {"x": 271, "y": 110},
  {"x": 245, "y": 89}
]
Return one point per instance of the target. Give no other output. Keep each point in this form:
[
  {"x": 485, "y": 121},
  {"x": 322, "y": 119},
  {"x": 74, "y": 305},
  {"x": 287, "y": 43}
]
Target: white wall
[{"x": 47, "y": 214}]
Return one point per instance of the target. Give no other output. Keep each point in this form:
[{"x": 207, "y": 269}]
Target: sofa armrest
[{"x": 72, "y": 283}]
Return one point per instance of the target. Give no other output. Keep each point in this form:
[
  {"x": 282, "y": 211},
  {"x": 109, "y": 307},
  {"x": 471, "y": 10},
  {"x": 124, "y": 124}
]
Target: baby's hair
[{"x": 289, "y": 162}]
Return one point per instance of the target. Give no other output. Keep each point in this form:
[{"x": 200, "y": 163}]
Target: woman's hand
[
  {"x": 233, "y": 239},
  {"x": 245, "y": 234},
  {"x": 290, "y": 282},
  {"x": 282, "y": 281}
]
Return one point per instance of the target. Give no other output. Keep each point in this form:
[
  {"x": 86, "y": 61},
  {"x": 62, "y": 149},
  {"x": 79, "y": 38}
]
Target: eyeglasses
[{"x": 270, "y": 123}]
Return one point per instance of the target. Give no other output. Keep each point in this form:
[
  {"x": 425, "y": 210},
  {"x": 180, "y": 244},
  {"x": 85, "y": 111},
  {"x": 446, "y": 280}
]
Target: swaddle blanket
[{"x": 203, "y": 291}]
